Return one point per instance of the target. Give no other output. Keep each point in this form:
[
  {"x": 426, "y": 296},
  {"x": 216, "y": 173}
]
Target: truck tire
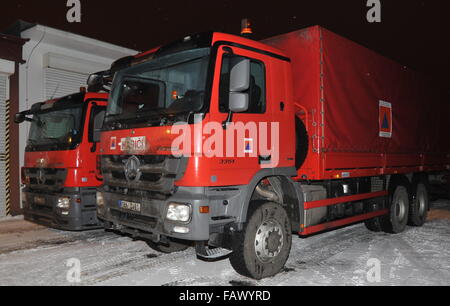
[
  {"x": 395, "y": 222},
  {"x": 375, "y": 224},
  {"x": 172, "y": 247},
  {"x": 262, "y": 248},
  {"x": 420, "y": 204}
]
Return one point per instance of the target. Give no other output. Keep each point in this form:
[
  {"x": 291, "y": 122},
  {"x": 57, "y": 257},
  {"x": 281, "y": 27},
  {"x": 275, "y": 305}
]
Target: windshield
[
  {"x": 172, "y": 84},
  {"x": 59, "y": 129}
]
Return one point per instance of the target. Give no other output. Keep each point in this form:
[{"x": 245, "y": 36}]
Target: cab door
[
  {"x": 249, "y": 150},
  {"x": 96, "y": 118}
]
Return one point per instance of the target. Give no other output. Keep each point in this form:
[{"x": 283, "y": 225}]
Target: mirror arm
[
  {"x": 106, "y": 89},
  {"x": 229, "y": 119},
  {"x": 24, "y": 119},
  {"x": 94, "y": 147}
]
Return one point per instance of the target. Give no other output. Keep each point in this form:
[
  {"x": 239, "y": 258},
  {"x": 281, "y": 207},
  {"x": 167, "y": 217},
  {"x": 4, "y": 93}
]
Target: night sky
[{"x": 414, "y": 33}]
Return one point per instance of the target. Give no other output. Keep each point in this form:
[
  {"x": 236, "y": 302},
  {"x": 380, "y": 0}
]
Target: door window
[{"x": 96, "y": 122}]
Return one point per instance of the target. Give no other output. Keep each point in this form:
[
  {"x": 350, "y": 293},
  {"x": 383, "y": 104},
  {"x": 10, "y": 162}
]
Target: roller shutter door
[
  {"x": 59, "y": 83},
  {"x": 4, "y": 155}
]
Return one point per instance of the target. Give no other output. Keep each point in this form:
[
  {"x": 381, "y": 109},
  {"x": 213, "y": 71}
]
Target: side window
[
  {"x": 96, "y": 122},
  {"x": 257, "y": 90}
]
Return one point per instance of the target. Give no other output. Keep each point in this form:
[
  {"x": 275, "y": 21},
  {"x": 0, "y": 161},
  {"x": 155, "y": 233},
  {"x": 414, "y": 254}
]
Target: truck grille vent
[
  {"x": 134, "y": 218},
  {"x": 146, "y": 175},
  {"x": 41, "y": 179}
]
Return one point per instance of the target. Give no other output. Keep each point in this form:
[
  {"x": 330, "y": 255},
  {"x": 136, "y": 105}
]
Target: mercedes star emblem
[
  {"x": 41, "y": 177},
  {"x": 132, "y": 171}
]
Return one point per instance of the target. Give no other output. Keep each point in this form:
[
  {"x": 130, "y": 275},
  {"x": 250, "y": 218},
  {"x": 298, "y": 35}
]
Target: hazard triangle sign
[{"x": 385, "y": 119}]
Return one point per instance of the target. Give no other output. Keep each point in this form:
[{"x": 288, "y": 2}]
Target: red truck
[
  {"x": 60, "y": 171},
  {"x": 354, "y": 138}
]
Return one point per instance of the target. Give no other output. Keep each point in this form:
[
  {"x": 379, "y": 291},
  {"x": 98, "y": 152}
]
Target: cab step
[{"x": 206, "y": 252}]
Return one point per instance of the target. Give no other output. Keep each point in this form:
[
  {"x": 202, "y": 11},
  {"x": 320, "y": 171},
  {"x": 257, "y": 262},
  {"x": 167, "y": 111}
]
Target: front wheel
[{"x": 262, "y": 248}]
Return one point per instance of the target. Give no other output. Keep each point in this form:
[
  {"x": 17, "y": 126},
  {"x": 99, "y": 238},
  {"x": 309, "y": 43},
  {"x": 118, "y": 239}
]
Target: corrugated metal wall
[{"x": 59, "y": 83}]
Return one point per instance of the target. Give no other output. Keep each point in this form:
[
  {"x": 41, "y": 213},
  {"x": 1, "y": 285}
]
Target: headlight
[
  {"x": 178, "y": 212},
  {"x": 63, "y": 203},
  {"x": 100, "y": 200}
]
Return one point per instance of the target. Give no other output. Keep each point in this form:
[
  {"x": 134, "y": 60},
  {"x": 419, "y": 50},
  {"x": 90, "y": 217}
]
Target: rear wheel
[
  {"x": 397, "y": 219},
  {"x": 172, "y": 247},
  {"x": 262, "y": 248},
  {"x": 419, "y": 206}
]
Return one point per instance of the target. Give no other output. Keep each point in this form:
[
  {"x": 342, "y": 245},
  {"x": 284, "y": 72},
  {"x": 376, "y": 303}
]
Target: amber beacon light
[{"x": 246, "y": 27}]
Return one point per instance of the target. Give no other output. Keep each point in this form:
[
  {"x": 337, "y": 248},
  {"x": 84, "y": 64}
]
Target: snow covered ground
[{"x": 34, "y": 255}]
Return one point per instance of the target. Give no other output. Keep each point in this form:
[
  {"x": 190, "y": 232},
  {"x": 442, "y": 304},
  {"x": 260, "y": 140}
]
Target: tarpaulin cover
[{"x": 364, "y": 110}]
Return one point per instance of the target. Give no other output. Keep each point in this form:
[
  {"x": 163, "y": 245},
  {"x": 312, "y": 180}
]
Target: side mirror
[
  {"x": 94, "y": 80},
  {"x": 239, "y": 102},
  {"x": 240, "y": 75},
  {"x": 19, "y": 118},
  {"x": 239, "y": 82}
]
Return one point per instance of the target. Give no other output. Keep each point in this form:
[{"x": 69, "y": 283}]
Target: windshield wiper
[
  {"x": 53, "y": 140},
  {"x": 44, "y": 142}
]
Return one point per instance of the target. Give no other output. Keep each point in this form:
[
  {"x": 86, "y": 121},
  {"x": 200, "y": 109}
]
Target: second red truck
[{"x": 60, "y": 174}]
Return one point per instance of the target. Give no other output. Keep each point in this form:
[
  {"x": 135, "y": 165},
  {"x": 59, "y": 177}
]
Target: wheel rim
[
  {"x": 269, "y": 240},
  {"x": 400, "y": 210}
]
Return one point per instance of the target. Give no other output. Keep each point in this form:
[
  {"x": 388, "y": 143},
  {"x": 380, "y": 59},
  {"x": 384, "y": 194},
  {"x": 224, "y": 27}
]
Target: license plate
[
  {"x": 130, "y": 206},
  {"x": 39, "y": 200}
]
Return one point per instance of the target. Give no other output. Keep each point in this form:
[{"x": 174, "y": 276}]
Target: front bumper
[
  {"x": 151, "y": 222},
  {"x": 42, "y": 209}
]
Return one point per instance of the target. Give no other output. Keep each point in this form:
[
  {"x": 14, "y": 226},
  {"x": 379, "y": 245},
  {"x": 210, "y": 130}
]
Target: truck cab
[
  {"x": 165, "y": 193},
  {"x": 60, "y": 174}
]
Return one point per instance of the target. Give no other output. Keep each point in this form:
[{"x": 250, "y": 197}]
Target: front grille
[
  {"x": 157, "y": 174},
  {"x": 45, "y": 179},
  {"x": 42, "y": 208},
  {"x": 149, "y": 177},
  {"x": 134, "y": 218}
]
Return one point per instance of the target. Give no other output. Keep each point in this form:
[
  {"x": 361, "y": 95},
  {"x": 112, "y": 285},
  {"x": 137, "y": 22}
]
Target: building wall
[
  {"x": 10, "y": 57},
  {"x": 70, "y": 54}
]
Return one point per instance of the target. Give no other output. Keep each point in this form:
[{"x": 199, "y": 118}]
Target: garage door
[
  {"x": 59, "y": 83},
  {"x": 4, "y": 155}
]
